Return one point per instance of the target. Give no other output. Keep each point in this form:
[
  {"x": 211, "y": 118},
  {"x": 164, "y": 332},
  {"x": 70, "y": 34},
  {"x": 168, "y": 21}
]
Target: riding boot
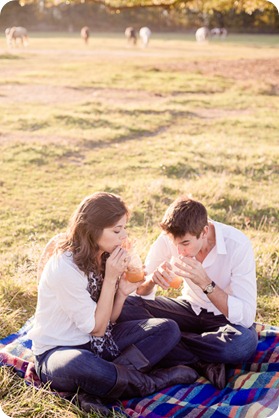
[
  {"x": 132, "y": 382},
  {"x": 89, "y": 403},
  {"x": 174, "y": 376},
  {"x": 133, "y": 357}
]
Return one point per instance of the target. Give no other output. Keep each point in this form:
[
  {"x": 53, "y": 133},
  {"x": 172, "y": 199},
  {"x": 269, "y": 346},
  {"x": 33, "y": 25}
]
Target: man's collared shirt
[{"x": 230, "y": 264}]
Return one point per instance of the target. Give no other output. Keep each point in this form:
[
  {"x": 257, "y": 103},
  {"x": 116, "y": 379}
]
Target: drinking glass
[
  {"x": 134, "y": 272},
  {"x": 176, "y": 280}
]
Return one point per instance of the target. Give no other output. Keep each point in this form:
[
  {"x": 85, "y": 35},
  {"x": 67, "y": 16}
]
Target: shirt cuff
[
  {"x": 88, "y": 325},
  {"x": 236, "y": 312}
]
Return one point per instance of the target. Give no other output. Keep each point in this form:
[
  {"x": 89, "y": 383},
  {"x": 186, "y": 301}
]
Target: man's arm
[
  {"x": 242, "y": 294},
  {"x": 193, "y": 270},
  {"x": 238, "y": 301},
  {"x": 160, "y": 251}
]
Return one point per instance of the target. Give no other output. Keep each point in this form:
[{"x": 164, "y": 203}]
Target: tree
[{"x": 206, "y": 6}]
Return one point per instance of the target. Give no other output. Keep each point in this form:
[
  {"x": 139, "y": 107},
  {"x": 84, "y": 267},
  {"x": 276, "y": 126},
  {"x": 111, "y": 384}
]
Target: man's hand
[
  {"x": 191, "y": 269},
  {"x": 161, "y": 276}
]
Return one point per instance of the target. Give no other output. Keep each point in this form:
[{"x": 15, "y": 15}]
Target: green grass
[{"x": 148, "y": 124}]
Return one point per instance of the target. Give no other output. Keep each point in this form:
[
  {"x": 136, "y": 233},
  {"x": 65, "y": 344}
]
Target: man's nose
[{"x": 180, "y": 250}]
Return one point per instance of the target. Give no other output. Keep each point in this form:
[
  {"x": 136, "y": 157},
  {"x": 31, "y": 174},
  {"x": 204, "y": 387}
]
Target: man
[{"x": 217, "y": 307}]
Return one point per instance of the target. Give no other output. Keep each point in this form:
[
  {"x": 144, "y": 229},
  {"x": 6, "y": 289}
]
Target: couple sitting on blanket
[{"x": 106, "y": 338}]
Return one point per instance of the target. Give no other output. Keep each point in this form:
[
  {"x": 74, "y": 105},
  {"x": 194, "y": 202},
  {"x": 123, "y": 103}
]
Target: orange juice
[
  {"x": 134, "y": 275},
  {"x": 175, "y": 279},
  {"x": 176, "y": 282}
]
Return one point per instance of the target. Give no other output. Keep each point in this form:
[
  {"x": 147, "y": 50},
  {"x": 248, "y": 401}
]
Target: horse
[
  {"x": 85, "y": 33},
  {"x": 144, "y": 34},
  {"x": 202, "y": 34},
  {"x": 131, "y": 35},
  {"x": 15, "y": 33},
  {"x": 219, "y": 32}
]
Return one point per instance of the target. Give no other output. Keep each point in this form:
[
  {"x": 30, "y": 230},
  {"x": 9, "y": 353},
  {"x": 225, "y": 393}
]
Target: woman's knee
[
  {"x": 170, "y": 330},
  {"x": 80, "y": 369}
]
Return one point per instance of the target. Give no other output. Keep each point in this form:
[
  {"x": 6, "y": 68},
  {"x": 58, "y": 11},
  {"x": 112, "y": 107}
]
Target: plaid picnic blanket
[{"x": 252, "y": 390}]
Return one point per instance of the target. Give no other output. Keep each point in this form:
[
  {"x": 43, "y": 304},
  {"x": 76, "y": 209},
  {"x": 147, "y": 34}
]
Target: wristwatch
[{"x": 209, "y": 288}]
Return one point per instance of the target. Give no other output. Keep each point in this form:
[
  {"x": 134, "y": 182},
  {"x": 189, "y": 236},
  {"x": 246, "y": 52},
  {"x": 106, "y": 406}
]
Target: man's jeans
[
  {"x": 70, "y": 368},
  {"x": 206, "y": 337}
]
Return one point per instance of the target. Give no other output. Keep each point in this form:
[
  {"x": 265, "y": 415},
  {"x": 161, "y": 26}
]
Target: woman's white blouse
[{"x": 65, "y": 313}]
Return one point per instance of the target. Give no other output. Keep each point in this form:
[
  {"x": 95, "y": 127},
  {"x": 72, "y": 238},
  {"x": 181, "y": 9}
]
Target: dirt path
[{"x": 266, "y": 70}]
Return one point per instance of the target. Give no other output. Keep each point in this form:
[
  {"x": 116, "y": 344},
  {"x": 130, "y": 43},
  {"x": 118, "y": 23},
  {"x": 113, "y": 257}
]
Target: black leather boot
[
  {"x": 214, "y": 372},
  {"x": 174, "y": 376},
  {"x": 88, "y": 403},
  {"x": 133, "y": 357},
  {"x": 132, "y": 382}
]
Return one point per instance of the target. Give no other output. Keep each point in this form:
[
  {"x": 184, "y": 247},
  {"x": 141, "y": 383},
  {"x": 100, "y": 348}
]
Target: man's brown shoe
[{"x": 214, "y": 372}]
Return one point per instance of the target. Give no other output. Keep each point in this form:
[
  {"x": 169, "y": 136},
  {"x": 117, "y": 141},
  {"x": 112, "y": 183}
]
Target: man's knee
[
  {"x": 133, "y": 308},
  {"x": 242, "y": 344}
]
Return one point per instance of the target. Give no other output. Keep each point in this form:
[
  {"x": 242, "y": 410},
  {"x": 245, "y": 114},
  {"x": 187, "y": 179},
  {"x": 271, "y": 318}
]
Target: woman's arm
[
  {"x": 104, "y": 307},
  {"x": 115, "y": 265},
  {"x": 124, "y": 290},
  {"x": 46, "y": 254}
]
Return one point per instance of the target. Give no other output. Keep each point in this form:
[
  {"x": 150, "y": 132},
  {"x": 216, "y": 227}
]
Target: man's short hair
[{"x": 184, "y": 216}]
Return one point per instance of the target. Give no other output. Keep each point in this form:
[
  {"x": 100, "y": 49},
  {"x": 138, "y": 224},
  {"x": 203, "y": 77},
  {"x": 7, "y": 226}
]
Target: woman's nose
[{"x": 124, "y": 236}]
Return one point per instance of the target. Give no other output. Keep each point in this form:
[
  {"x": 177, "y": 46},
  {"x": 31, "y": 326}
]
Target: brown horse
[
  {"x": 131, "y": 35},
  {"x": 85, "y": 33}
]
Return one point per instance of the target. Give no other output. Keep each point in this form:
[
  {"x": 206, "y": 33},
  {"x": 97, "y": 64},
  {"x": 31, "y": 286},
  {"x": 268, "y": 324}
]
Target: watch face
[{"x": 209, "y": 288}]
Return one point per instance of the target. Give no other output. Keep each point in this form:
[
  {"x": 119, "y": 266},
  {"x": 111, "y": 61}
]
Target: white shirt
[
  {"x": 65, "y": 313},
  {"x": 230, "y": 264}
]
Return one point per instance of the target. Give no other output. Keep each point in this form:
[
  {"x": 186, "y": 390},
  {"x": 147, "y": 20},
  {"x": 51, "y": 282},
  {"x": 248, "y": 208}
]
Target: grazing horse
[
  {"x": 202, "y": 34},
  {"x": 131, "y": 35},
  {"x": 219, "y": 32},
  {"x": 144, "y": 34},
  {"x": 85, "y": 33},
  {"x": 15, "y": 33}
]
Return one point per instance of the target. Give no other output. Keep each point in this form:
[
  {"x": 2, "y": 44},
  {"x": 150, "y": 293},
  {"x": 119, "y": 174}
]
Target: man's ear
[{"x": 205, "y": 231}]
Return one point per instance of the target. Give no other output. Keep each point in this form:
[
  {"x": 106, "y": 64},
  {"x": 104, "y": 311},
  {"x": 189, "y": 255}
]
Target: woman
[{"x": 82, "y": 289}]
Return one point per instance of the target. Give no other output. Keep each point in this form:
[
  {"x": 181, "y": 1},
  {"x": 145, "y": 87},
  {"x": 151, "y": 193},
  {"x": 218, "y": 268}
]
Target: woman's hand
[
  {"x": 126, "y": 287},
  {"x": 116, "y": 264}
]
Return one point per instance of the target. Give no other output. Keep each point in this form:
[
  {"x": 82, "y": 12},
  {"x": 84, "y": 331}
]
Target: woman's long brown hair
[{"x": 95, "y": 213}]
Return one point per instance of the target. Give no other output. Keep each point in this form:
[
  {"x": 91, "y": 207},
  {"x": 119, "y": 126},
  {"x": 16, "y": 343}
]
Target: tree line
[{"x": 167, "y": 15}]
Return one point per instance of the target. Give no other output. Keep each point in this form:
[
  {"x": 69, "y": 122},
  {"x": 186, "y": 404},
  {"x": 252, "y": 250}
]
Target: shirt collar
[{"x": 220, "y": 241}]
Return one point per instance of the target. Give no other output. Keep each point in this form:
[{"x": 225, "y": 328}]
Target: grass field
[{"x": 148, "y": 124}]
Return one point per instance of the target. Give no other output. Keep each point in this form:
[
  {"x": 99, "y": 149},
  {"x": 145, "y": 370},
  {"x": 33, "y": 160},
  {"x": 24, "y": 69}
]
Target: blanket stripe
[{"x": 252, "y": 390}]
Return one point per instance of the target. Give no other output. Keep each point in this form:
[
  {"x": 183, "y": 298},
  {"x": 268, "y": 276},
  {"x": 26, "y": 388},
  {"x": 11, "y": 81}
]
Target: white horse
[
  {"x": 219, "y": 32},
  {"x": 85, "y": 33},
  {"x": 15, "y": 33},
  {"x": 144, "y": 34},
  {"x": 131, "y": 35},
  {"x": 202, "y": 34}
]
